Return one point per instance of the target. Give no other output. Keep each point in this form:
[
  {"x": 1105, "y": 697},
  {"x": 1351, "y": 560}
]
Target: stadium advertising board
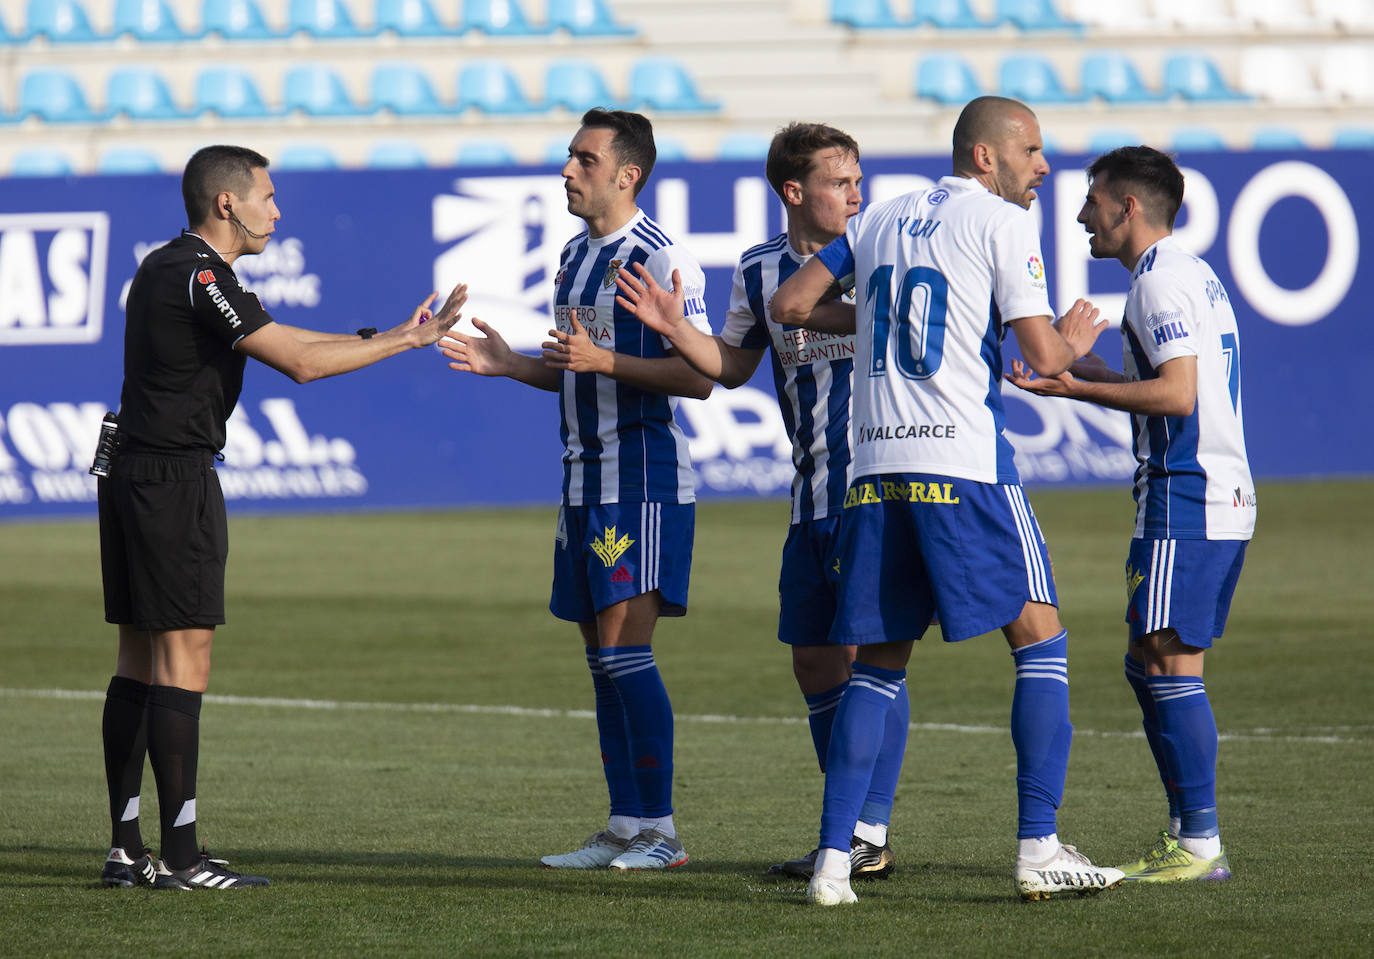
[{"x": 362, "y": 248}]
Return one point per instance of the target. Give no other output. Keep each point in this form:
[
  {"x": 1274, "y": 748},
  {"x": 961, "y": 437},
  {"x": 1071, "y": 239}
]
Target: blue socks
[
  {"x": 1135, "y": 675},
  {"x": 1041, "y": 733},
  {"x": 615, "y": 742},
  {"x": 882, "y": 789},
  {"x": 648, "y": 719},
  {"x": 820, "y": 716},
  {"x": 856, "y": 739},
  {"x": 1188, "y": 741}
]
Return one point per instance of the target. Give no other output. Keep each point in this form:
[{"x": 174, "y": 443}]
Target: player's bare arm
[
  {"x": 305, "y": 360},
  {"x": 1172, "y": 393},
  {"x": 834, "y": 316},
  {"x": 796, "y": 300},
  {"x": 490, "y": 355},
  {"x": 661, "y": 311},
  {"x": 1050, "y": 348},
  {"x": 573, "y": 351}
]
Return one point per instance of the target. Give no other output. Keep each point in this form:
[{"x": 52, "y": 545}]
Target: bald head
[{"x": 989, "y": 121}]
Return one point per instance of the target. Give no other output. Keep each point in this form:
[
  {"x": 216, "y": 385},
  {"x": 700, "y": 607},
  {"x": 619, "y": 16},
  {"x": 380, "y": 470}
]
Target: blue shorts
[
  {"x": 914, "y": 544},
  {"x": 607, "y": 554},
  {"x": 1182, "y": 584},
  {"x": 807, "y": 584}
]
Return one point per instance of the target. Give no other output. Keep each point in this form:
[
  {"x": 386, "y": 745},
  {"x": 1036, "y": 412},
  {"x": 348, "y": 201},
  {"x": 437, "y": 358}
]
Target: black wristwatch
[{"x": 368, "y": 332}]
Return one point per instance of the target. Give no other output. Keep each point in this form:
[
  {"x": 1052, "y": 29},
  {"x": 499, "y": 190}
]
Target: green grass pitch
[{"x": 397, "y": 730}]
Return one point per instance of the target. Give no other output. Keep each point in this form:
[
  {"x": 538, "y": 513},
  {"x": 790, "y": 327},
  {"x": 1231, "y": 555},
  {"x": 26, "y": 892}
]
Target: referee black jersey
[{"x": 182, "y": 377}]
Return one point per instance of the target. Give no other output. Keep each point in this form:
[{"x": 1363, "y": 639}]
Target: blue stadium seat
[
  {"x": 1109, "y": 139},
  {"x": 946, "y": 78},
  {"x": 668, "y": 150},
  {"x": 864, "y": 14},
  {"x": 1114, "y": 78},
  {"x": 396, "y": 155},
  {"x": 128, "y": 160},
  {"x": 1278, "y": 138},
  {"x": 497, "y": 18},
  {"x": 54, "y": 96},
  {"x": 576, "y": 85},
  {"x": 141, "y": 94},
  {"x": 1197, "y": 140},
  {"x": 1353, "y": 138},
  {"x": 485, "y": 153},
  {"x": 61, "y": 21},
  {"x": 405, "y": 90},
  {"x": 489, "y": 86},
  {"x": 41, "y": 163},
  {"x": 946, "y": 15},
  {"x": 229, "y": 92},
  {"x": 150, "y": 21},
  {"x": 305, "y": 156},
  {"x": 410, "y": 18},
  {"x": 1033, "y": 15},
  {"x": 585, "y": 18},
  {"x": 742, "y": 146},
  {"x": 1032, "y": 78},
  {"x": 322, "y": 19},
  {"x": 317, "y": 91},
  {"x": 1193, "y": 76},
  {"x": 663, "y": 84},
  {"x": 236, "y": 20}
]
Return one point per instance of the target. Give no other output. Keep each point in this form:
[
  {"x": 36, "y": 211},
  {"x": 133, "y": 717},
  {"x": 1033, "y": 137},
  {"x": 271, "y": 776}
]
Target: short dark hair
[
  {"x": 633, "y": 142},
  {"x": 1144, "y": 171},
  {"x": 212, "y": 170},
  {"x": 791, "y": 155}
]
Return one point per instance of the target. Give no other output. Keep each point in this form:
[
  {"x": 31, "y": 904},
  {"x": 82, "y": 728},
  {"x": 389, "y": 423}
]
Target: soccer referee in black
[{"x": 190, "y": 327}]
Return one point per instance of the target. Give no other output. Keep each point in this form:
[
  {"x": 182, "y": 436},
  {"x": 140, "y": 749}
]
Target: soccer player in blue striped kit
[
  {"x": 1195, "y": 500},
  {"x": 935, "y": 517},
  {"x": 623, "y": 545},
  {"x": 815, "y": 171}
]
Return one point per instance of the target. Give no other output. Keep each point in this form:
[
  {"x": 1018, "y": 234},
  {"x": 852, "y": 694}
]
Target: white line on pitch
[{"x": 1251, "y": 735}]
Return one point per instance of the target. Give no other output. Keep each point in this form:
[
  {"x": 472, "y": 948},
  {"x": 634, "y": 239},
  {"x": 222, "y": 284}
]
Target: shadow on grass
[{"x": 79, "y": 867}]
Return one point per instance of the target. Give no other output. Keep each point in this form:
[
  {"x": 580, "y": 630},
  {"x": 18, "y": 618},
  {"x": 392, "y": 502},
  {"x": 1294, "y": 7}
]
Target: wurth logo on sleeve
[{"x": 206, "y": 278}]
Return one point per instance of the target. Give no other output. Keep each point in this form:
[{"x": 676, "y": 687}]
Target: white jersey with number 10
[{"x": 935, "y": 273}]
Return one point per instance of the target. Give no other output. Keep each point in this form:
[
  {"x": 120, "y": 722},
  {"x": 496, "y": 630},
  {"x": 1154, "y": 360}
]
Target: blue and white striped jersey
[
  {"x": 811, "y": 373},
  {"x": 1193, "y": 478},
  {"x": 622, "y": 444},
  {"x": 935, "y": 274}
]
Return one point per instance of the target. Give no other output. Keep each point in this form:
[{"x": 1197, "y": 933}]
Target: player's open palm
[
  {"x": 659, "y": 309},
  {"x": 1023, "y": 377},
  {"x": 485, "y": 355},
  {"x": 574, "y": 351}
]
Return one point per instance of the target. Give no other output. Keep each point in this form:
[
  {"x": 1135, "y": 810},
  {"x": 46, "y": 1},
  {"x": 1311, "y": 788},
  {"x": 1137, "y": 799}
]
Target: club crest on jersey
[
  {"x": 612, "y": 272},
  {"x": 608, "y": 548},
  {"x": 1134, "y": 578},
  {"x": 937, "y": 196}
]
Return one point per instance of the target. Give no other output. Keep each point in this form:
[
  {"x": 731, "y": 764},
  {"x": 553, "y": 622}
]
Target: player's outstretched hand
[
  {"x": 1080, "y": 326},
  {"x": 659, "y": 309},
  {"x": 574, "y": 350},
  {"x": 485, "y": 355},
  {"x": 1023, "y": 377},
  {"x": 424, "y": 327}
]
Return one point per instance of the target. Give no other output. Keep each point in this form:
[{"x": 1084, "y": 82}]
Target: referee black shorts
[{"x": 164, "y": 539}]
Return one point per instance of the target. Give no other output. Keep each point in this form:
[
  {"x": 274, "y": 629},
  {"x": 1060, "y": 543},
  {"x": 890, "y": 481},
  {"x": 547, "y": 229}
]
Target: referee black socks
[
  {"x": 124, "y": 734},
  {"x": 174, "y": 750}
]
